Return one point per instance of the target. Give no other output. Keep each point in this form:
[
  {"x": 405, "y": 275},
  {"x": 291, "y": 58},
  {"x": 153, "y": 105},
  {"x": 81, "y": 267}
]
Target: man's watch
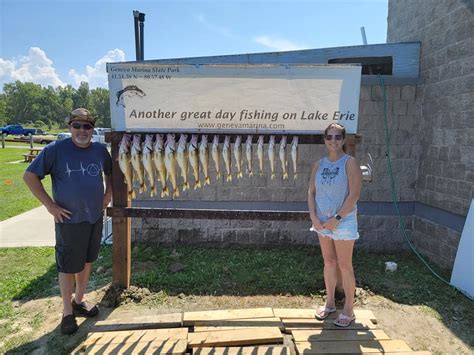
[{"x": 337, "y": 217}]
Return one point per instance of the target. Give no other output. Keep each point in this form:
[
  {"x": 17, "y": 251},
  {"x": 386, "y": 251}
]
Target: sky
[{"x": 65, "y": 42}]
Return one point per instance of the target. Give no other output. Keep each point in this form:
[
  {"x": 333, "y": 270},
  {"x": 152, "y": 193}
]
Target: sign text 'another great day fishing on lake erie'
[{"x": 299, "y": 99}]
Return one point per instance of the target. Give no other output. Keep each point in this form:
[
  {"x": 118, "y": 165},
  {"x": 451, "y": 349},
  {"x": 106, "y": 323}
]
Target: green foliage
[
  {"x": 27, "y": 103},
  {"x": 15, "y": 196}
]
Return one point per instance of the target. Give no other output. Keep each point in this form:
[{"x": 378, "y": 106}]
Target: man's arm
[{"x": 36, "y": 187}]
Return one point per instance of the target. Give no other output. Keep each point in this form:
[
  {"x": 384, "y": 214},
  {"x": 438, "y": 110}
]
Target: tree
[
  {"x": 23, "y": 101},
  {"x": 100, "y": 106},
  {"x": 81, "y": 96}
]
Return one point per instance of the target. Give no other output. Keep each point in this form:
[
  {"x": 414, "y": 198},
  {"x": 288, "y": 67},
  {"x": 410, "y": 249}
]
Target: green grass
[
  {"x": 15, "y": 196},
  {"x": 29, "y": 273}
]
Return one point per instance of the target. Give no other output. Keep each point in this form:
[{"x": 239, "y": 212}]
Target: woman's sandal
[
  {"x": 324, "y": 312},
  {"x": 344, "y": 321}
]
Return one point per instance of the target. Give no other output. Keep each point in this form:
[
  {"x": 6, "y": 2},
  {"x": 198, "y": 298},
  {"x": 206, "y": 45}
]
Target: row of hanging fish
[{"x": 157, "y": 159}]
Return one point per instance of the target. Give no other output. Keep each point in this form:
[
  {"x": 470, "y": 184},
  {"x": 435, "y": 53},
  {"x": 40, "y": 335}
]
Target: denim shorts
[
  {"x": 77, "y": 244},
  {"x": 346, "y": 229}
]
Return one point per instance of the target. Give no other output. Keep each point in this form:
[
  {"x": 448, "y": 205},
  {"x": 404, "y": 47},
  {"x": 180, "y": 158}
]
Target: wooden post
[
  {"x": 30, "y": 136},
  {"x": 121, "y": 226},
  {"x": 351, "y": 141},
  {"x": 3, "y": 140}
]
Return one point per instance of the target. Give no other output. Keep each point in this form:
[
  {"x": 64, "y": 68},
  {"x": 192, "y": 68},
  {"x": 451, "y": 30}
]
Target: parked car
[
  {"x": 17, "y": 130},
  {"x": 64, "y": 135},
  {"x": 97, "y": 136}
]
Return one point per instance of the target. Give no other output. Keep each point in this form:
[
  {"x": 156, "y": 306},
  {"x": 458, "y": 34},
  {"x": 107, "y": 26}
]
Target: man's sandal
[
  {"x": 344, "y": 321},
  {"x": 324, "y": 312}
]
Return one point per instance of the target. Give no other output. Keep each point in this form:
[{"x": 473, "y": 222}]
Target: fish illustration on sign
[{"x": 128, "y": 91}]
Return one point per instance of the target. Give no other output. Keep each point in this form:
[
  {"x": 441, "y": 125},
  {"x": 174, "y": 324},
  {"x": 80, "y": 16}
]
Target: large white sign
[{"x": 301, "y": 99}]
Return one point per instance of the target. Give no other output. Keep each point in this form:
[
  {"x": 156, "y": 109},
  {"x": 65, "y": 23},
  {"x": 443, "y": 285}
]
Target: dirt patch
[{"x": 420, "y": 326}]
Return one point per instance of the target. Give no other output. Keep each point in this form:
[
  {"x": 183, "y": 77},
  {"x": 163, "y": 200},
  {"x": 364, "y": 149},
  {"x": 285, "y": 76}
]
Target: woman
[{"x": 334, "y": 189}]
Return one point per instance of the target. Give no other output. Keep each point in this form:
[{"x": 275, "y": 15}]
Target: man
[{"x": 76, "y": 166}]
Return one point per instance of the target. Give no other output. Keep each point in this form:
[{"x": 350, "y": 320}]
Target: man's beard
[{"x": 82, "y": 140}]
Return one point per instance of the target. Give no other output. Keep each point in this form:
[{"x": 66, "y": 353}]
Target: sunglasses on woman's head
[
  {"x": 329, "y": 137},
  {"x": 86, "y": 126}
]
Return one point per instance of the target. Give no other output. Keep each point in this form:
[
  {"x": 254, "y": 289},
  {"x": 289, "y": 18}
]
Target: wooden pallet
[{"x": 258, "y": 331}]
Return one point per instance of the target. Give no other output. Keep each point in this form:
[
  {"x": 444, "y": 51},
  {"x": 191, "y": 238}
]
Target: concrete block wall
[
  {"x": 378, "y": 233},
  {"x": 445, "y": 29}
]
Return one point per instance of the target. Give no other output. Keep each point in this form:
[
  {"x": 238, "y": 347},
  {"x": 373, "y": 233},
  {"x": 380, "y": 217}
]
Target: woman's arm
[
  {"x": 311, "y": 198},
  {"x": 354, "y": 177}
]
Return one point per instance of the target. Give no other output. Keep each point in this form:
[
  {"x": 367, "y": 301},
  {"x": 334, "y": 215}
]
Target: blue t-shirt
[{"x": 76, "y": 174}]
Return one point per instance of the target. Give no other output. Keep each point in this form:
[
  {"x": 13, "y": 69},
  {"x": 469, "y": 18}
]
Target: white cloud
[
  {"x": 35, "y": 67},
  {"x": 278, "y": 44},
  {"x": 96, "y": 76}
]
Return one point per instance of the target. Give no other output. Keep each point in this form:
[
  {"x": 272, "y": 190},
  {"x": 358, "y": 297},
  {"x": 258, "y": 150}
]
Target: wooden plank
[
  {"x": 243, "y": 350},
  {"x": 264, "y": 335},
  {"x": 306, "y": 323},
  {"x": 189, "y": 318},
  {"x": 172, "y": 320},
  {"x": 121, "y": 226},
  {"x": 352, "y": 347},
  {"x": 209, "y": 325},
  {"x": 311, "y": 313},
  {"x": 313, "y": 335},
  {"x": 125, "y": 336},
  {"x": 169, "y": 347}
]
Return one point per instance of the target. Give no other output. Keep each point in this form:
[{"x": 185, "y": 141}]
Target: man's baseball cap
[{"x": 80, "y": 114}]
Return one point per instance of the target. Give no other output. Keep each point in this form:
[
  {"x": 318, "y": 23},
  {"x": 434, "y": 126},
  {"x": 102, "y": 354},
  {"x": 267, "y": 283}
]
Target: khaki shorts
[{"x": 77, "y": 244}]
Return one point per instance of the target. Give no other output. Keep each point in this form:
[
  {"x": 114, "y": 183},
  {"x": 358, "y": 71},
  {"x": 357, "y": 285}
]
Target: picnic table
[{"x": 32, "y": 154}]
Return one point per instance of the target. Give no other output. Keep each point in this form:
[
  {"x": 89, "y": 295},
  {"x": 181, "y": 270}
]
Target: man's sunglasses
[
  {"x": 329, "y": 137},
  {"x": 86, "y": 126}
]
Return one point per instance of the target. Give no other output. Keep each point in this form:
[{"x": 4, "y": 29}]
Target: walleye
[
  {"x": 284, "y": 162},
  {"x": 271, "y": 155},
  {"x": 227, "y": 159},
  {"x": 294, "y": 155},
  {"x": 215, "y": 155},
  {"x": 248, "y": 153},
  {"x": 137, "y": 162},
  {"x": 260, "y": 153},
  {"x": 170, "y": 162},
  {"x": 238, "y": 155},
  {"x": 194, "y": 159},
  {"x": 148, "y": 163},
  {"x": 183, "y": 160},
  {"x": 204, "y": 158},
  {"x": 125, "y": 163},
  {"x": 159, "y": 159}
]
